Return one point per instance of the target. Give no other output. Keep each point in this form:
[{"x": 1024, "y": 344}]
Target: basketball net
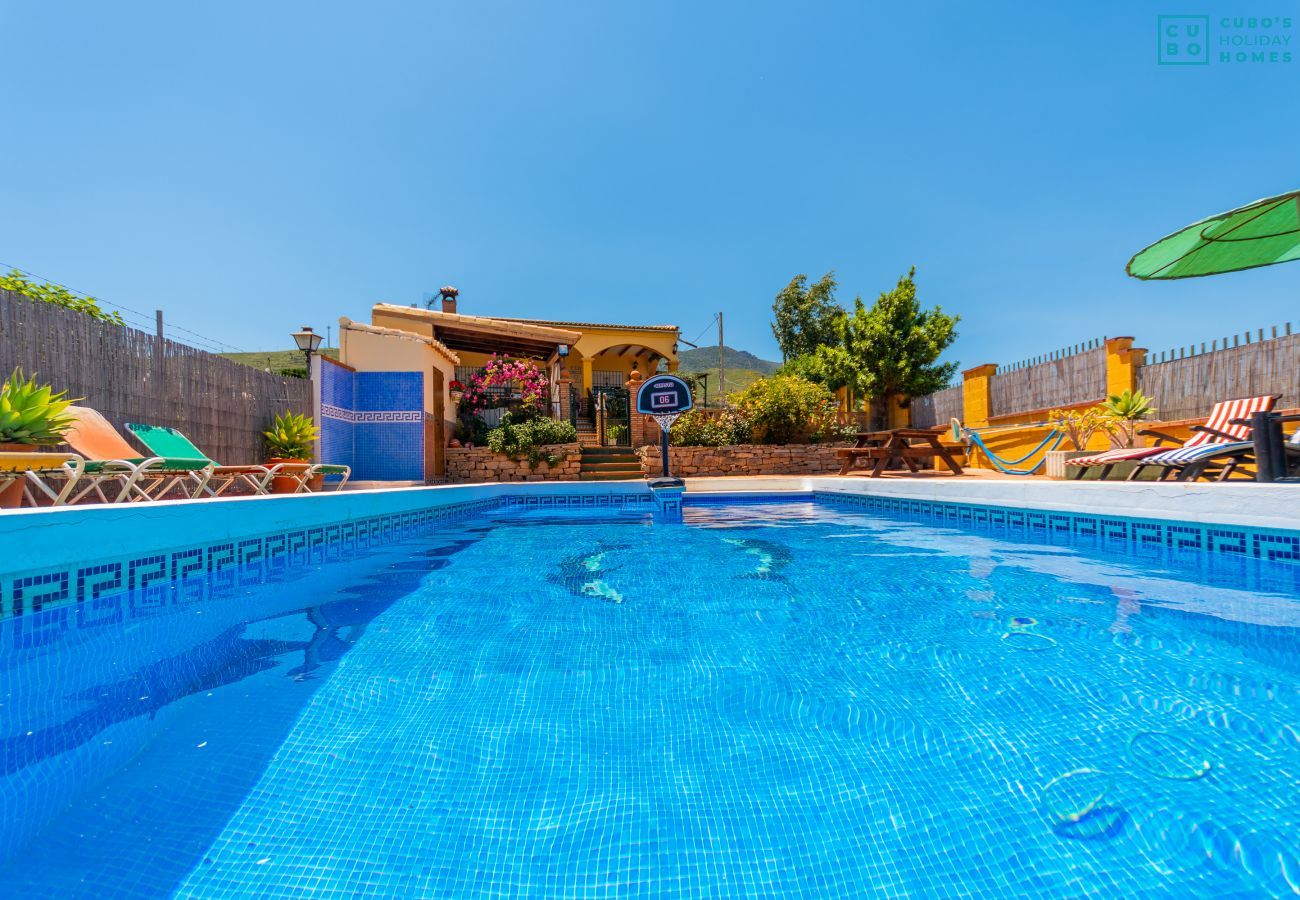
[{"x": 665, "y": 420}]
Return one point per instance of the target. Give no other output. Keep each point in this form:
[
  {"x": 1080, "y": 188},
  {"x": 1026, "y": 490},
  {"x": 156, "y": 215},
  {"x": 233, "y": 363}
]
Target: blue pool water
[{"x": 768, "y": 700}]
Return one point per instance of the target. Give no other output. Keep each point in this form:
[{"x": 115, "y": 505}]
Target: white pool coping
[{"x": 1272, "y": 506}]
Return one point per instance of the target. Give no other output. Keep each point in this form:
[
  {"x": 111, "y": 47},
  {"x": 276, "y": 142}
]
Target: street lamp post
[{"x": 308, "y": 342}]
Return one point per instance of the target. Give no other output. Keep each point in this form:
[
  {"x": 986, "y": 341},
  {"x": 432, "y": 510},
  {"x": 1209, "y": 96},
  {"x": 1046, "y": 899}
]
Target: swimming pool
[{"x": 795, "y": 697}]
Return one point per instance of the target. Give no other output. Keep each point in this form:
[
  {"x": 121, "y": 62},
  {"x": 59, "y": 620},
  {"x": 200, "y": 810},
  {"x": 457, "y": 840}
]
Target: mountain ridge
[{"x": 706, "y": 358}]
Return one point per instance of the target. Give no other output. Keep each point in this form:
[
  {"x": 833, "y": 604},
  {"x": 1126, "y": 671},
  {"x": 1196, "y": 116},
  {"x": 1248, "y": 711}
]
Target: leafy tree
[
  {"x": 887, "y": 350},
  {"x": 805, "y": 318}
]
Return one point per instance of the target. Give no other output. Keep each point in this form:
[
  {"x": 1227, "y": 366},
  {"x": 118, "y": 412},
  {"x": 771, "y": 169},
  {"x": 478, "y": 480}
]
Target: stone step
[
  {"x": 615, "y": 466},
  {"x": 609, "y": 476}
]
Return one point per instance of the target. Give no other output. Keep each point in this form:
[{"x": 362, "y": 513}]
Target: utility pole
[{"x": 722, "y": 365}]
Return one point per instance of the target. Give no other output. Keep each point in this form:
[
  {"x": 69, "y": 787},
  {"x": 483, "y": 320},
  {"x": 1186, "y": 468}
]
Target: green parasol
[{"x": 1259, "y": 234}]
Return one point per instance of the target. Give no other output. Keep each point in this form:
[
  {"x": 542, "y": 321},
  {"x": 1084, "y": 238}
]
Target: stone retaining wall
[
  {"x": 481, "y": 464},
  {"x": 744, "y": 459}
]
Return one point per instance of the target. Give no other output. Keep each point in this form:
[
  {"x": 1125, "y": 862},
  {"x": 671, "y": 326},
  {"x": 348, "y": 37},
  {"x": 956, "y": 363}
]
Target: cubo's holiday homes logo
[{"x": 1224, "y": 40}]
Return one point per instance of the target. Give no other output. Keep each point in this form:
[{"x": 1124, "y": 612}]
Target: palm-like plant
[
  {"x": 292, "y": 436},
  {"x": 32, "y": 413},
  {"x": 1126, "y": 410}
]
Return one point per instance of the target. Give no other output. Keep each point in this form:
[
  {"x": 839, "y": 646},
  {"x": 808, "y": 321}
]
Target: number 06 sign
[{"x": 665, "y": 397}]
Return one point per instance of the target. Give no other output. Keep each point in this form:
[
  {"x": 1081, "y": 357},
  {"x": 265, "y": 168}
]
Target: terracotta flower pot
[
  {"x": 11, "y": 497},
  {"x": 288, "y": 484}
]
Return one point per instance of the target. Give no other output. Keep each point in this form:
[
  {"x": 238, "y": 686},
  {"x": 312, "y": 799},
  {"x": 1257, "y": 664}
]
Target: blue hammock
[{"x": 1004, "y": 465}]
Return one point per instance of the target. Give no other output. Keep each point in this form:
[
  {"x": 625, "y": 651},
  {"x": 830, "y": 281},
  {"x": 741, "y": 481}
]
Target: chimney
[{"x": 448, "y": 295}]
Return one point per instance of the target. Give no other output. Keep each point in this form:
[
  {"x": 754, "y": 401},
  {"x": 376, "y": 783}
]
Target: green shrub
[
  {"x": 518, "y": 415},
  {"x": 615, "y": 434},
  {"x": 60, "y": 296},
  {"x": 832, "y": 431},
  {"x": 786, "y": 409},
  {"x": 528, "y": 438},
  {"x": 700, "y": 429}
]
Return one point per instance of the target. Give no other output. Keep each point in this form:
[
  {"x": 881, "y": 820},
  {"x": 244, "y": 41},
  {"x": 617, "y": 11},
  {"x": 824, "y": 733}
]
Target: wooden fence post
[{"x": 159, "y": 362}]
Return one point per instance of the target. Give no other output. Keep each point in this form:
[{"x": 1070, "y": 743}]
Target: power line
[
  {"x": 704, "y": 329},
  {"x": 149, "y": 321}
]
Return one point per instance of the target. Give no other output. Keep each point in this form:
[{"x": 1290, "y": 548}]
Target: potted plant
[
  {"x": 1078, "y": 425},
  {"x": 1125, "y": 411},
  {"x": 31, "y": 415},
  {"x": 457, "y": 390},
  {"x": 290, "y": 440}
]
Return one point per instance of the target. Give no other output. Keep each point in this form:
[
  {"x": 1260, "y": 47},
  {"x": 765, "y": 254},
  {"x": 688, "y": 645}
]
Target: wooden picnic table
[{"x": 885, "y": 448}]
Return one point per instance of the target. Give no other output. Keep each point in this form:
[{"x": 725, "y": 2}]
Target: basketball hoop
[{"x": 664, "y": 398}]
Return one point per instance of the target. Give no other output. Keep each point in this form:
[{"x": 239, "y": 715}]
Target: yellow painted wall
[
  {"x": 595, "y": 340},
  {"x": 1122, "y": 361},
  {"x": 366, "y": 351},
  {"x": 977, "y": 401}
]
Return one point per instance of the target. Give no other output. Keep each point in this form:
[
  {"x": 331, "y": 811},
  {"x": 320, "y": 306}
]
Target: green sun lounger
[
  {"x": 171, "y": 442},
  {"x": 110, "y": 460}
]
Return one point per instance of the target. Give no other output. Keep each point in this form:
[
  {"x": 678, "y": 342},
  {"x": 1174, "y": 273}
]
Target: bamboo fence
[
  {"x": 130, "y": 375},
  {"x": 938, "y": 408},
  {"x": 1059, "y": 380},
  {"x": 1186, "y": 382}
]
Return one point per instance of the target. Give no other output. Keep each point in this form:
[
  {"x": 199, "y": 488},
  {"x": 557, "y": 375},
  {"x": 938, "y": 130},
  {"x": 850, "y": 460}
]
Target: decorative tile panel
[{"x": 373, "y": 422}]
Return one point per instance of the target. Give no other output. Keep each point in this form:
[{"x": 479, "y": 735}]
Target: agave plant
[
  {"x": 292, "y": 436},
  {"x": 1126, "y": 410},
  {"x": 32, "y": 413}
]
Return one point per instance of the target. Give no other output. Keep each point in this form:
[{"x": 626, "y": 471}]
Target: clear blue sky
[{"x": 248, "y": 167}]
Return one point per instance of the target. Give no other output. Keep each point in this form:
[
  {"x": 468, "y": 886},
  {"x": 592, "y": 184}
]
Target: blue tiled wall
[
  {"x": 373, "y": 422},
  {"x": 389, "y": 451},
  {"x": 337, "y": 385},
  {"x": 338, "y": 389},
  {"x": 389, "y": 391},
  {"x": 337, "y": 441}
]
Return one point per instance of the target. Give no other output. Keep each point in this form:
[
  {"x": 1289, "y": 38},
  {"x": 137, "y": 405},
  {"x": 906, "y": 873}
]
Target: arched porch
[{"x": 610, "y": 367}]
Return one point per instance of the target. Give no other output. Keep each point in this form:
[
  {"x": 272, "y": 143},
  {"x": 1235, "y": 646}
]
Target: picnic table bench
[{"x": 882, "y": 449}]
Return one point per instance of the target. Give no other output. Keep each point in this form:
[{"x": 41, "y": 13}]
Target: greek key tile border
[
  {"x": 45, "y": 604},
  {"x": 370, "y": 416},
  {"x": 1089, "y": 530},
  {"x": 593, "y": 501}
]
